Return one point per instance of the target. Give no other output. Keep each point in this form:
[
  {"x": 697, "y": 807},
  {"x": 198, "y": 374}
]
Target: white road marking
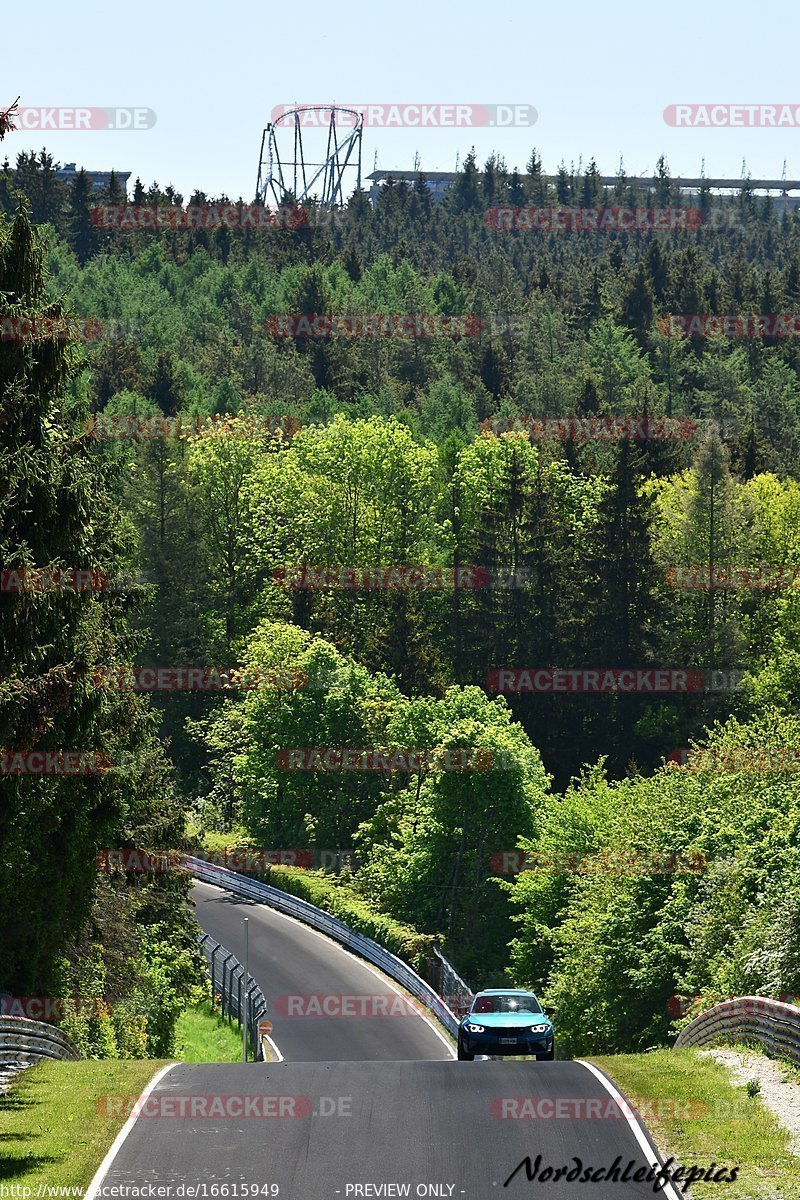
[
  {"x": 116, "y": 1145},
  {"x": 638, "y": 1130},
  {"x": 267, "y": 1038},
  {"x": 332, "y": 942}
]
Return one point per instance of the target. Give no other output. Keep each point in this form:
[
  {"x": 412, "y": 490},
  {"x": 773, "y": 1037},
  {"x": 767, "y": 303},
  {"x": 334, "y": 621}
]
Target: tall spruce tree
[{"x": 59, "y": 633}]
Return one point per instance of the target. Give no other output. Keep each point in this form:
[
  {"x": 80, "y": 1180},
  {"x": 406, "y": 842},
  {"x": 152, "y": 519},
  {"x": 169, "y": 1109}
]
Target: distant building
[
  {"x": 100, "y": 179},
  {"x": 440, "y": 182}
]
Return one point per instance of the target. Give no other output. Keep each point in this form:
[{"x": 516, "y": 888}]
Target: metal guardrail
[
  {"x": 227, "y": 974},
  {"x": 23, "y": 1040},
  {"x": 309, "y": 914},
  {"x": 773, "y": 1024},
  {"x": 454, "y": 991}
]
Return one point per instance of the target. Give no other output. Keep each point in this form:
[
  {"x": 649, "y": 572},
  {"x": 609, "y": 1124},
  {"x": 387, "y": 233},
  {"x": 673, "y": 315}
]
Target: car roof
[{"x": 504, "y": 992}]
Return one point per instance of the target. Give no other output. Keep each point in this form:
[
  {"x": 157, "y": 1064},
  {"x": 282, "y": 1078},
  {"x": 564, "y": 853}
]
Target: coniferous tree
[{"x": 83, "y": 232}]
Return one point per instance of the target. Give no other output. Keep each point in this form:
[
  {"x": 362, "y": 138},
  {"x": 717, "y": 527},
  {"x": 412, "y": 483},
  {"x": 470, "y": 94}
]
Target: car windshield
[{"x": 506, "y": 1004}]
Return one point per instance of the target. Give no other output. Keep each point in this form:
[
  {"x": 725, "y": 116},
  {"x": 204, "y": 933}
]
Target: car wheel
[
  {"x": 548, "y": 1056},
  {"x": 462, "y": 1054}
]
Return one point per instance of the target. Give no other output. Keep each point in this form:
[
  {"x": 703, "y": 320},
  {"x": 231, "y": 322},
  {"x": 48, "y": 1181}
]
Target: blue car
[{"x": 504, "y": 1021}]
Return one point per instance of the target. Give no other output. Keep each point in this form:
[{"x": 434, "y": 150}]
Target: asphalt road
[
  {"x": 301, "y": 972},
  {"x": 333, "y": 1130}
]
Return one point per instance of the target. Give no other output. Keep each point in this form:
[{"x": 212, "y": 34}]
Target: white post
[{"x": 245, "y": 994}]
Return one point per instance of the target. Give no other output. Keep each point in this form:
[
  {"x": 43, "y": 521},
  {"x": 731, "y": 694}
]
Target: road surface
[
  {"x": 334, "y": 1130},
  {"x": 300, "y": 971}
]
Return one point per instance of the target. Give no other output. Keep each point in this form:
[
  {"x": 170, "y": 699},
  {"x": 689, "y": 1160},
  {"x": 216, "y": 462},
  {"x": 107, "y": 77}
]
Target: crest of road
[{"x": 364, "y": 1106}]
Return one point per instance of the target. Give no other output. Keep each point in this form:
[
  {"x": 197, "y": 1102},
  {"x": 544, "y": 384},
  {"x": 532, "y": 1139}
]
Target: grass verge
[
  {"x": 203, "y": 1036},
  {"x": 54, "y": 1128},
  {"x": 697, "y": 1114}
]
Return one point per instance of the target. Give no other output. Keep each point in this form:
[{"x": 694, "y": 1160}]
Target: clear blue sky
[{"x": 599, "y": 75}]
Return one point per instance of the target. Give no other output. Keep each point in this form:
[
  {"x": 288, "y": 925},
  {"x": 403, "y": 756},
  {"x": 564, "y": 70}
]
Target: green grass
[
  {"x": 696, "y": 1114},
  {"x": 53, "y": 1122},
  {"x": 53, "y": 1127},
  {"x": 203, "y": 1036}
]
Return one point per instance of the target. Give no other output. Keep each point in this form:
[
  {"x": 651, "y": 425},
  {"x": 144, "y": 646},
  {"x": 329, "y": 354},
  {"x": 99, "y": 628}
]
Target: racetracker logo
[
  {"x": 582, "y": 1108},
  {"x": 681, "y": 1005},
  {"x": 413, "y": 116},
  {"x": 125, "y": 425},
  {"x": 54, "y": 762},
  {"x": 69, "y": 580},
  {"x": 370, "y": 1004},
  {"x": 752, "y": 759},
  {"x": 197, "y": 679},
  {"x": 373, "y": 325},
  {"x": 601, "y": 862},
  {"x": 53, "y": 1009},
  {"x": 198, "y": 216},
  {"x": 593, "y": 429},
  {"x": 167, "y": 862},
  {"x": 44, "y": 329},
  {"x": 208, "y": 1106},
  {"x": 85, "y": 118},
  {"x": 756, "y": 579},
  {"x": 730, "y": 325},
  {"x": 613, "y": 219},
  {"x": 345, "y": 758},
  {"x": 400, "y": 578},
  {"x": 545, "y": 681},
  {"x": 733, "y": 116}
]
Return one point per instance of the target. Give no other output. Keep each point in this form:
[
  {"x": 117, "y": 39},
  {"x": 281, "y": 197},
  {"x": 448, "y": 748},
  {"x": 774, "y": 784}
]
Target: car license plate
[{"x": 508, "y": 1041}]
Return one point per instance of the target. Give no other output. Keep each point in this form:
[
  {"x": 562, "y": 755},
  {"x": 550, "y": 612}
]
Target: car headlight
[
  {"x": 539, "y": 1028},
  {"x": 470, "y": 1028}
]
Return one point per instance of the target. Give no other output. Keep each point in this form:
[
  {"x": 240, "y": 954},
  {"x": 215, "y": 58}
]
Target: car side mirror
[{"x": 548, "y": 1011}]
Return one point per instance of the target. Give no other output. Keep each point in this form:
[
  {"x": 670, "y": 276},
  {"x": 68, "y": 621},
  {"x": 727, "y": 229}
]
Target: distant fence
[
  {"x": 775, "y": 1025},
  {"x": 317, "y": 918},
  {"x": 23, "y": 1040},
  {"x": 227, "y": 981}
]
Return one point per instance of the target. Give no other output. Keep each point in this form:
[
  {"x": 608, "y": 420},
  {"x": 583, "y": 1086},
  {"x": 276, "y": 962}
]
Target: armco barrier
[
  {"x": 775, "y": 1025},
  {"x": 309, "y": 914},
  {"x": 23, "y": 1040},
  {"x": 226, "y": 974}
]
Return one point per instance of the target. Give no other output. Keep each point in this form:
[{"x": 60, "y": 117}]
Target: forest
[{"x": 348, "y": 482}]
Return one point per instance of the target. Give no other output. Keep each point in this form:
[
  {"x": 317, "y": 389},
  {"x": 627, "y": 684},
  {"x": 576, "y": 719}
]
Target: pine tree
[
  {"x": 164, "y": 389},
  {"x": 82, "y": 230},
  {"x": 56, "y": 514}
]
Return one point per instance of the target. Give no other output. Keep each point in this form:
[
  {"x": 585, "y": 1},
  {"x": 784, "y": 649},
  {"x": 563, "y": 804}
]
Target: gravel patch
[{"x": 779, "y": 1096}]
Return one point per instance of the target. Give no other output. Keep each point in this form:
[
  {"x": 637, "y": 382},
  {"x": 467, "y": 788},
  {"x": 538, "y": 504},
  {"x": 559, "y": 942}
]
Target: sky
[{"x": 598, "y": 75}]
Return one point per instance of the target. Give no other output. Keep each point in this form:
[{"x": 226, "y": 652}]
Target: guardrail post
[{"x": 212, "y": 965}]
